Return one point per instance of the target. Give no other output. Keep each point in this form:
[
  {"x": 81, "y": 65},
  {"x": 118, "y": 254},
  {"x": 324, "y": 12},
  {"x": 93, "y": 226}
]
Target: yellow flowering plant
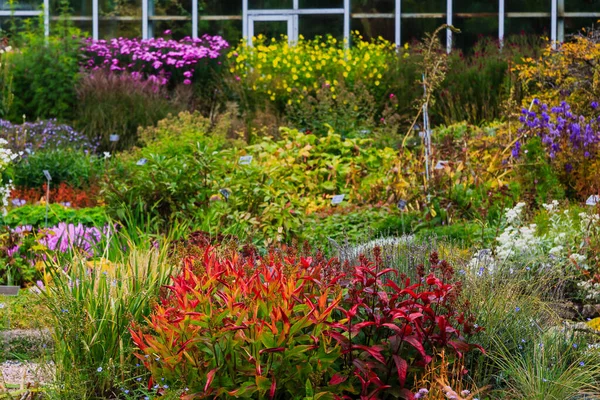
[{"x": 273, "y": 71}]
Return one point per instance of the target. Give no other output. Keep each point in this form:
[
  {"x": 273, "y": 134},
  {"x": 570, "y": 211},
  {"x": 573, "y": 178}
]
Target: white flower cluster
[
  {"x": 517, "y": 240},
  {"x": 6, "y": 157},
  {"x": 590, "y": 289}
]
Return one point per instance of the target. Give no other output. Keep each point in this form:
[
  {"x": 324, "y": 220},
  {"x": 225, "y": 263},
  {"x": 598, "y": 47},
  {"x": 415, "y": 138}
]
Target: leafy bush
[
  {"x": 35, "y": 216},
  {"x": 63, "y": 194},
  {"x": 75, "y": 168},
  {"x": 118, "y": 104},
  {"x": 45, "y": 73},
  {"x": 250, "y": 329},
  {"x": 287, "y": 326}
]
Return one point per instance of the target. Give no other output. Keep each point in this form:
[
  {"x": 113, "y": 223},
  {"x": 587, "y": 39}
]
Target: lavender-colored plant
[{"x": 48, "y": 134}]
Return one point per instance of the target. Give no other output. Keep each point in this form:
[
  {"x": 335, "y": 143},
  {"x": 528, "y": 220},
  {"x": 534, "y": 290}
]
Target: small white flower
[{"x": 106, "y": 155}]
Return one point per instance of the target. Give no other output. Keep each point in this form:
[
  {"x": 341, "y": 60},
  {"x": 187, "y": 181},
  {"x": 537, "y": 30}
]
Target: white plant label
[
  {"x": 337, "y": 199},
  {"x": 441, "y": 164},
  {"x": 593, "y": 200},
  {"x": 47, "y": 175},
  {"x": 114, "y": 138},
  {"x": 142, "y": 161},
  {"x": 245, "y": 160}
]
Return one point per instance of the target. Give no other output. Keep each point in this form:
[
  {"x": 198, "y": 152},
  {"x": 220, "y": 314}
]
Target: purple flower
[
  {"x": 516, "y": 150},
  {"x": 594, "y": 104}
]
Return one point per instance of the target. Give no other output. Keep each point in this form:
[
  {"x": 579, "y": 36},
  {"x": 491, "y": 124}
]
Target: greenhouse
[{"x": 395, "y": 20}]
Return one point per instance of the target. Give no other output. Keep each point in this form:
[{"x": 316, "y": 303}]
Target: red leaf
[
  {"x": 209, "y": 378},
  {"x": 414, "y": 342},
  {"x": 272, "y": 390},
  {"x": 374, "y": 351},
  {"x": 337, "y": 379},
  {"x": 272, "y": 350},
  {"x": 402, "y": 367}
]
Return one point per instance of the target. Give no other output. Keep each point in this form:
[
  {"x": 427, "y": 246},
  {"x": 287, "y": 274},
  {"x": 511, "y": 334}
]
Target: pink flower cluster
[{"x": 159, "y": 60}]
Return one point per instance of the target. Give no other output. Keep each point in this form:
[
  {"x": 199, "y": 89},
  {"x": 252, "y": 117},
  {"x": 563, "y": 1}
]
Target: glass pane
[
  {"x": 179, "y": 29},
  {"x": 230, "y": 30},
  {"x": 576, "y": 25},
  {"x": 109, "y": 29},
  {"x": 474, "y": 29},
  {"x": 120, "y": 18},
  {"x": 271, "y": 29},
  {"x": 527, "y": 26},
  {"x": 269, "y": 4},
  {"x": 423, "y": 6},
  {"x": 372, "y": 28},
  {"x": 582, "y": 5},
  {"x": 321, "y": 3},
  {"x": 10, "y": 25},
  {"x": 415, "y": 29},
  {"x": 220, "y": 7},
  {"x": 527, "y": 5},
  {"x": 310, "y": 26},
  {"x": 373, "y": 6},
  {"x": 78, "y": 7},
  {"x": 174, "y": 10},
  {"x": 24, "y": 5},
  {"x": 469, "y": 6}
]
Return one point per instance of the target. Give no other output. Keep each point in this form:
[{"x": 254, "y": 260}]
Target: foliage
[
  {"x": 119, "y": 104},
  {"x": 30, "y": 137},
  {"x": 75, "y": 168},
  {"x": 390, "y": 329},
  {"x": 25, "y": 311},
  {"x": 45, "y": 73},
  {"x": 350, "y": 113},
  {"x": 35, "y": 216},
  {"x": 6, "y": 86},
  {"x": 245, "y": 329},
  {"x": 322, "y": 338},
  {"x": 63, "y": 194},
  {"x": 553, "y": 365},
  {"x": 569, "y": 73},
  {"x": 91, "y": 306}
]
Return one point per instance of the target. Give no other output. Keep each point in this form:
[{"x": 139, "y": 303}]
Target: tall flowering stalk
[
  {"x": 571, "y": 141},
  {"x": 161, "y": 61}
]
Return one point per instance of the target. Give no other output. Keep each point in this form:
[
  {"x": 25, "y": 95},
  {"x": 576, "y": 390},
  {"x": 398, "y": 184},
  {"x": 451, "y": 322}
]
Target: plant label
[
  {"x": 402, "y": 205},
  {"x": 337, "y": 199},
  {"x": 225, "y": 193},
  {"x": 441, "y": 164},
  {"x": 142, "y": 161},
  {"x": 245, "y": 160},
  {"x": 114, "y": 138},
  {"x": 47, "y": 175},
  {"x": 593, "y": 200}
]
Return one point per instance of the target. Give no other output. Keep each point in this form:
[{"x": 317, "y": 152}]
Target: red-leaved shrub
[{"x": 284, "y": 326}]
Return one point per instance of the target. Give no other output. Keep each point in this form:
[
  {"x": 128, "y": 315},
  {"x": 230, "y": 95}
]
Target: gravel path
[{"x": 24, "y": 372}]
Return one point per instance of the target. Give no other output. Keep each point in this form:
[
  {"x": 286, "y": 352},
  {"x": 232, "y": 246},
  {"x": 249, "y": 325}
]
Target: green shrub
[
  {"x": 35, "y": 215},
  {"x": 45, "y": 73},
  {"x": 75, "y": 168}
]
